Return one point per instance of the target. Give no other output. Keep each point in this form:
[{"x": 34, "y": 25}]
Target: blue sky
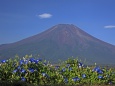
[{"x": 20, "y": 19}]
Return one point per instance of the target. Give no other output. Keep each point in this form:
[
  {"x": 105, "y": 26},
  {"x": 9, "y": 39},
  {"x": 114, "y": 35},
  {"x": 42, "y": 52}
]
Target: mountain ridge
[{"x": 60, "y": 42}]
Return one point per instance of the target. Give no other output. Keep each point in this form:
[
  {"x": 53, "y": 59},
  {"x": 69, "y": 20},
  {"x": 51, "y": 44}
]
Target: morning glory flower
[
  {"x": 57, "y": 67},
  {"x": 26, "y": 62},
  {"x": 21, "y": 62},
  {"x": 36, "y": 61},
  {"x": 100, "y": 77},
  {"x": 100, "y": 71},
  {"x": 31, "y": 60},
  {"x": 63, "y": 69},
  {"x": 23, "y": 70},
  {"x": 83, "y": 75},
  {"x": 19, "y": 68},
  {"x": 65, "y": 80},
  {"x": 43, "y": 74},
  {"x": 3, "y": 61},
  {"x": 15, "y": 71},
  {"x": 75, "y": 79},
  {"x": 68, "y": 65},
  {"x": 70, "y": 69},
  {"x": 23, "y": 79},
  {"x": 31, "y": 70},
  {"x": 80, "y": 64},
  {"x": 110, "y": 83},
  {"x": 96, "y": 69}
]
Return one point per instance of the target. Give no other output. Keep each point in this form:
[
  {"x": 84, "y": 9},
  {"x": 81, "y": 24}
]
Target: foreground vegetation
[{"x": 38, "y": 72}]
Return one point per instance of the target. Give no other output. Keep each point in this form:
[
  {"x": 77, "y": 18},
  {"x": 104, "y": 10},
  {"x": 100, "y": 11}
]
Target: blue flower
[
  {"x": 32, "y": 60},
  {"x": 31, "y": 70},
  {"x": 70, "y": 68},
  {"x": 26, "y": 62},
  {"x": 80, "y": 64},
  {"x": 100, "y": 71},
  {"x": 36, "y": 61},
  {"x": 57, "y": 67},
  {"x": 45, "y": 75},
  {"x": 23, "y": 70},
  {"x": 19, "y": 68},
  {"x": 110, "y": 83},
  {"x": 65, "y": 80},
  {"x": 63, "y": 70},
  {"x": 23, "y": 79},
  {"x": 3, "y": 61},
  {"x": 21, "y": 62},
  {"x": 100, "y": 77},
  {"x": 15, "y": 71},
  {"x": 68, "y": 65},
  {"x": 75, "y": 79},
  {"x": 96, "y": 69},
  {"x": 83, "y": 75}
]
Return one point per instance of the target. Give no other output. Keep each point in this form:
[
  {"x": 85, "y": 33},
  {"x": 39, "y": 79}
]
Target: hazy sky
[{"x": 20, "y": 19}]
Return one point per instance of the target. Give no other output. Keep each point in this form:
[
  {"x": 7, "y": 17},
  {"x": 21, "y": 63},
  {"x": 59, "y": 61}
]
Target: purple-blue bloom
[
  {"x": 80, "y": 64},
  {"x": 57, "y": 67},
  {"x": 65, "y": 80},
  {"x": 110, "y": 83},
  {"x": 100, "y": 77},
  {"x": 3, "y": 61},
  {"x": 68, "y": 65},
  {"x": 14, "y": 71},
  {"x": 23, "y": 79},
  {"x": 70, "y": 68},
  {"x": 32, "y": 60},
  {"x": 96, "y": 69},
  {"x": 19, "y": 68},
  {"x": 83, "y": 75},
  {"x": 100, "y": 71},
  {"x": 23, "y": 70},
  {"x": 21, "y": 62},
  {"x": 75, "y": 79},
  {"x": 63, "y": 69},
  {"x": 26, "y": 62},
  {"x": 31, "y": 70},
  {"x": 43, "y": 74},
  {"x": 36, "y": 61}
]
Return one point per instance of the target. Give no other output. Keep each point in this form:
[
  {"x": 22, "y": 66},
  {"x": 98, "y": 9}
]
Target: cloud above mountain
[
  {"x": 45, "y": 15},
  {"x": 109, "y": 26}
]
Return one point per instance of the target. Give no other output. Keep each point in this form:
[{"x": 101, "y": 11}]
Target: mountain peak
[
  {"x": 67, "y": 26},
  {"x": 60, "y": 42}
]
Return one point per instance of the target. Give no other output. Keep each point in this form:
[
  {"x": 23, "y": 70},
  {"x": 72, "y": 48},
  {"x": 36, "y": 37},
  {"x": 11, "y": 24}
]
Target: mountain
[{"x": 61, "y": 42}]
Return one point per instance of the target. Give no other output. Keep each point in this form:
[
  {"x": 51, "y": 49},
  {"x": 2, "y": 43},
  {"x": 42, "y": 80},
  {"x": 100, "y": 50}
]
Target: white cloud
[
  {"x": 109, "y": 26},
  {"x": 45, "y": 15}
]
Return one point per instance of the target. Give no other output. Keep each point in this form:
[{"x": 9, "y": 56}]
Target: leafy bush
[{"x": 39, "y": 72}]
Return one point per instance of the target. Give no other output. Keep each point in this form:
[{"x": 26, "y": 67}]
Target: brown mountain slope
[{"x": 60, "y": 42}]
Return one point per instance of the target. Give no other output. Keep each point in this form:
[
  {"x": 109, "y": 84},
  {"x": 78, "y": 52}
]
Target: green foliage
[{"x": 39, "y": 72}]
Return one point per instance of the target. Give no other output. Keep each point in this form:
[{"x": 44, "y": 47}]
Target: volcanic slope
[{"x": 61, "y": 42}]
